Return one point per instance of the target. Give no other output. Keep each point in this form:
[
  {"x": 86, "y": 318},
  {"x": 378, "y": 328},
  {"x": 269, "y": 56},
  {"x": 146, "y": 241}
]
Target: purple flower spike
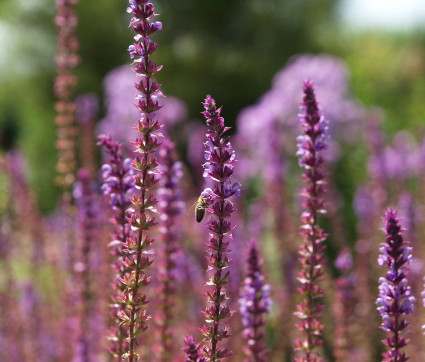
[
  {"x": 314, "y": 140},
  {"x": 117, "y": 184},
  {"x": 395, "y": 300},
  {"x": 145, "y": 166},
  {"x": 219, "y": 168},
  {"x": 255, "y": 302}
]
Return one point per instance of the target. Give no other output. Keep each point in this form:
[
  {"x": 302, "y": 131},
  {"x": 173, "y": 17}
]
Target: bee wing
[{"x": 191, "y": 209}]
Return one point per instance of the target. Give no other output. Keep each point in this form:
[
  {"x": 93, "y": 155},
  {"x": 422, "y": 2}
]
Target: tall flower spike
[
  {"x": 117, "y": 184},
  {"x": 170, "y": 205},
  {"x": 395, "y": 300},
  {"x": 219, "y": 168},
  {"x": 145, "y": 166},
  {"x": 255, "y": 302},
  {"x": 65, "y": 82},
  {"x": 310, "y": 145}
]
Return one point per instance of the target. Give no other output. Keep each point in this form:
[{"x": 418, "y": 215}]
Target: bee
[{"x": 200, "y": 208}]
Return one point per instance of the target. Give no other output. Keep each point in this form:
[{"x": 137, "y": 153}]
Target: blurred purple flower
[
  {"x": 170, "y": 206},
  {"x": 343, "y": 306},
  {"x": 344, "y": 261},
  {"x": 400, "y": 161},
  {"x": 264, "y": 143},
  {"x": 88, "y": 233},
  {"x": 66, "y": 60},
  {"x": 411, "y": 215},
  {"x": 365, "y": 203},
  {"x": 87, "y": 107},
  {"x": 195, "y": 149},
  {"x": 254, "y": 303}
]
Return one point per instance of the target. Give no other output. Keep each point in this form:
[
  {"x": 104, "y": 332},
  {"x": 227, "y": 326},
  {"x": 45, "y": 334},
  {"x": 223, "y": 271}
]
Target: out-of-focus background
[
  {"x": 367, "y": 62},
  {"x": 231, "y": 49}
]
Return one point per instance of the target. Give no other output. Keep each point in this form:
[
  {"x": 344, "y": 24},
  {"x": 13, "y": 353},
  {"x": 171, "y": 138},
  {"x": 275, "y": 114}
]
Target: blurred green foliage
[
  {"x": 230, "y": 49},
  {"x": 387, "y": 70}
]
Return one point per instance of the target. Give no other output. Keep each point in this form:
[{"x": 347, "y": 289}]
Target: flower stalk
[
  {"x": 344, "y": 306},
  {"x": 145, "y": 166},
  {"x": 219, "y": 168},
  {"x": 310, "y": 145},
  {"x": 170, "y": 206},
  {"x": 87, "y": 225},
  {"x": 67, "y": 60}
]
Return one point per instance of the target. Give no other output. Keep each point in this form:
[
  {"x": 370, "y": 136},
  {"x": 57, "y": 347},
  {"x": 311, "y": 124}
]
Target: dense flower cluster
[
  {"x": 310, "y": 145},
  {"x": 170, "y": 206},
  {"x": 65, "y": 82},
  {"x": 145, "y": 166},
  {"x": 219, "y": 168},
  {"x": 395, "y": 300},
  {"x": 193, "y": 350},
  {"x": 117, "y": 184},
  {"x": 254, "y": 303}
]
